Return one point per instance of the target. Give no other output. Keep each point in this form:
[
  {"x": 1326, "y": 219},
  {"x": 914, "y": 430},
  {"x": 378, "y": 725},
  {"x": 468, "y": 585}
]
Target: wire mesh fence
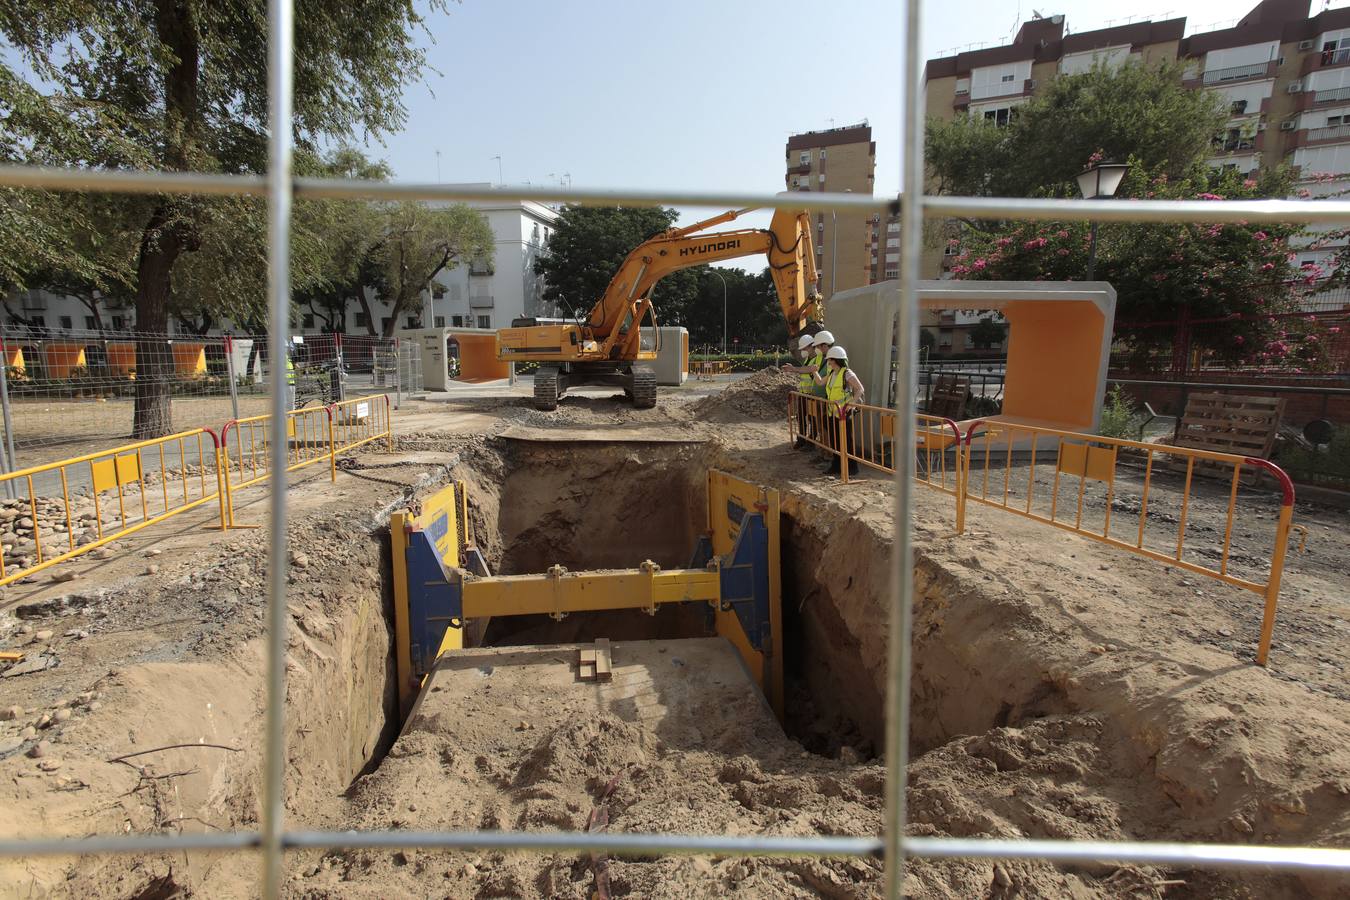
[
  {"x": 273, "y": 839},
  {"x": 80, "y": 390}
]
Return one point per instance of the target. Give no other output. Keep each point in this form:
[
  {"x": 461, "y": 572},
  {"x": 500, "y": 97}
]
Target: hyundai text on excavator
[{"x": 607, "y": 348}]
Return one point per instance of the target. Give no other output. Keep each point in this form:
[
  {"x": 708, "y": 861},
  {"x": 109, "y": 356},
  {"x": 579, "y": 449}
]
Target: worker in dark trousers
[
  {"x": 843, "y": 389},
  {"x": 812, "y": 361}
]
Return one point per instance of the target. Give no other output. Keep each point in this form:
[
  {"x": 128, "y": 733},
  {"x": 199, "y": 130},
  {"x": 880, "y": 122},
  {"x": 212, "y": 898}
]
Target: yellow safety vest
[
  {"x": 290, "y": 371},
  {"x": 837, "y": 391},
  {"x": 804, "y": 379}
]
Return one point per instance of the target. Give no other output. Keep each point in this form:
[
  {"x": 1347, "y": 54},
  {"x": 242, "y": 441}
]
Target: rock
[
  {"x": 63, "y": 577},
  {"x": 93, "y": 705},
  {"x": 40, "y": 749},
  {"x": 85, "y": 697},
  {"x": 26, "y": 522},
  {"x": 1240, "y": 825},
  {"x": 152, "y": 569},
  {"x": 469, "y": 870},
  {"x": 10, "y": 713},
  {"x": 28, "y": 733},
  {"x": 103, "y": 553},
  {"x": 153, "y": 551},
  {"x": 1001, "y": 877},
  {"x": 61, "y": 715},
  {"x": 299, "y": 560},
  {"x": 44, "y": 720},
  {"x": 49, "y": 765},
  {"x": 43, "y": 635},
  {"x": 25, "y": 629},
  {"x": 849, "y": 756}
]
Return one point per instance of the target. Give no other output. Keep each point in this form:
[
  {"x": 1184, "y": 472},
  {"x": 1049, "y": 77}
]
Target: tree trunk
[
  {"x": 160, "y": 247},
  {"x": 365, "y": 310}
]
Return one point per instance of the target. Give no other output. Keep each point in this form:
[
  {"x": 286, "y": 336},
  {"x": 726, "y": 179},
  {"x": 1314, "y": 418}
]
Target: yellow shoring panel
[
  {"x": 569, "y": 592},
  {"x": 438, "y": 515},
  {"x": 724, "y": 493}
]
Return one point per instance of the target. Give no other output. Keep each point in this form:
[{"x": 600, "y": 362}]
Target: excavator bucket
[{"x": 792, "y": 260}]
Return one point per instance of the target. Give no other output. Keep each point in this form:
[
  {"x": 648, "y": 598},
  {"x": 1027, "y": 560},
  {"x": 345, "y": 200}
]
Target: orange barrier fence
[
  {"x": 708, "y": 369},
  {"x": 360, "y": 421},
  {"x": 246, "y": 449},
  {"x": 1139, "y": 497},
  {"x": 1104, "y": 489},
  {"x": 867, "y": 435},
  {"x": 104, "y": 496}
]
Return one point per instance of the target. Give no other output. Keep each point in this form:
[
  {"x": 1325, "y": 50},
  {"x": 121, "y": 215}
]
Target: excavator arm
[{"x": 613, "y": 320}]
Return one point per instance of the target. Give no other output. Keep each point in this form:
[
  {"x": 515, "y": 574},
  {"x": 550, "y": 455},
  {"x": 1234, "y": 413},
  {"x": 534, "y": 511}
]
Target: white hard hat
[
  {"x": 837, "y": 353},
  {"x": 805, "y": 341},
  {"x": 824, "y": 337}
]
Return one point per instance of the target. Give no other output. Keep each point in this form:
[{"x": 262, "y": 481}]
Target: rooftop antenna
[
  {"x": 499, "y": 170},
  {"x": 438, "y": 166}
]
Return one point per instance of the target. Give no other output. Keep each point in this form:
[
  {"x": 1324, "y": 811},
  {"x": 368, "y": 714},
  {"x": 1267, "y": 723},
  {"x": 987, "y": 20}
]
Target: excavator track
[
  {"x": 644, "y": 387},
  {"x": 546, "y": 388}
]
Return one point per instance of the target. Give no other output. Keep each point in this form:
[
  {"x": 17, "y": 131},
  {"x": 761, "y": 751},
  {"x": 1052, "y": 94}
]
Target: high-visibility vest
[
  {"x": 804, "y": 379},
  {"x": 837, "y": 391},
  {"x": 290, "y": 371}
]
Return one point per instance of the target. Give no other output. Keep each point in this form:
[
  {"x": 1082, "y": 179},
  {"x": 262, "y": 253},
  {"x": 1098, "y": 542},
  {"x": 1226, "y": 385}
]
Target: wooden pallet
[
  {"x": 948, "y": 399},
  {"x": 1228, "y": 423}
]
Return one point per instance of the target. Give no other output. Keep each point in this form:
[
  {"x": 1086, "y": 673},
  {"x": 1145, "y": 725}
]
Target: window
[
  {"x": 37, "y": 321},
  {"x": 307, "y": 321},
  {"x": 822, "y": 152},
  {"x": 1006, "y": 79},
  {"x": 437, "y": 291},
  {"x": 67, "y": 322},
  {"x": 440, "y": 321},
  {"x": 804, "y": 158},
  {"x": 951, "y": 250},
  {"x": 892, "y": 273},
  {"x": 1339, "y": 120},
  {"x": 360, "y": 320},
  {"x": 412, "y": 322},
  {"x": 90, "y": 322},
  {"x": 384, "y": 323},
  {"x": 998, "y": 116},
  {"x": 456, "y": 321},
  {"x": 893, "y": 227},
  {"x": 485, "y": 321},
  {"x": 893, "y": 242},
  {"x": 119, "y": 323},
  {"x": 822, "y": 177},
  {"x": 1238, "y": 107},
  {"x": 536, "y": 231}
]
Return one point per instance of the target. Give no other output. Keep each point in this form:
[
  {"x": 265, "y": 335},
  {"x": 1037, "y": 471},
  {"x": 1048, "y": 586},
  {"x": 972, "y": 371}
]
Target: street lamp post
[
  {"x": 1099, "y": 181},
  {"x": 724, "y": 309},
  {"x": 834, "y": 243}
]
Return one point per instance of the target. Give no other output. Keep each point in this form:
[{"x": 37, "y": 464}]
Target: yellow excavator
[{"x": 607, "y": 348}]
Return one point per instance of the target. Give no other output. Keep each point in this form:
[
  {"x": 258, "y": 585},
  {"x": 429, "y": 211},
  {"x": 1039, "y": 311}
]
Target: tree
[
  {"x": 180, "y": 85},
  {"x": 1136, "y": 111},
  {"x": 419, "y": 242},
  {"x": 751, "y": 307},
  {"x": 587, "y": 247},
  {"x": 987, "y": 333}
]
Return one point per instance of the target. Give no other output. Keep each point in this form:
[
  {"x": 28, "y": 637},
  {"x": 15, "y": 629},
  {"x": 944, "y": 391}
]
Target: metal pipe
[
  {"x": 724, "y": 310},
  {"x": 899, "y": 637},
  {"x": 280, "y": 34},
  {"x": 1092, "y": 252},
  {"x": 628, "y": 844}
]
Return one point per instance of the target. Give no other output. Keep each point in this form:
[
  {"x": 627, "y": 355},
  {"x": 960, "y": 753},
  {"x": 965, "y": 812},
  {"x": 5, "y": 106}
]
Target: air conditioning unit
[
  {"x": 1288, "y": 126},
  {"x": 962, "y": 90},
  {"x": 1295, "y": 87},
  {"x": 1305, "y": 45}
]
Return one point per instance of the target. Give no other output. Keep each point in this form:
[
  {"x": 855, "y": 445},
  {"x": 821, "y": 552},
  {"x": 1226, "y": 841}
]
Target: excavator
[{"x": 606, "y": 347}]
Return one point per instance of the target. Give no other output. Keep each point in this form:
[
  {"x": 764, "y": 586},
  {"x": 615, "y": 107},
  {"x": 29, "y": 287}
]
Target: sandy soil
[{"x": 1062, "y": 689}]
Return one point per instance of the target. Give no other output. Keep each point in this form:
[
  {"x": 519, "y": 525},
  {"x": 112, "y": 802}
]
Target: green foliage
[
  {"x": 587, "y": 247},
  {"x": 753, "y": 315},
  {"x": 1328, "y": 465},
  {"x": 1119, "y": 417},
  {"x": 1134, "y": 112},
  {"x": 988, "y": 333}
]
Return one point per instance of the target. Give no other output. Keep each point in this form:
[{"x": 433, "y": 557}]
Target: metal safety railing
[
  {"x": 280, "y": 186},
  {"x": 247, "y": 459},
  {"x": 708, "y": 369},
  {"x": 71, "y": 507},
  {"x": 361, "y": 421},
  {"x": 1107, "y": 490},
  {"x": 867, "y": 434}
]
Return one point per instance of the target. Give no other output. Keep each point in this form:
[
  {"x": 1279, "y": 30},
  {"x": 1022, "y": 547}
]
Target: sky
[{"x": 693, "y": 95}]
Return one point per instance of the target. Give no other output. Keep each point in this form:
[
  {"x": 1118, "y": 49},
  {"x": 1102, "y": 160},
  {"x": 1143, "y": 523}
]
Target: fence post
[
  {"x": 229, "y": 372},
  {"x": 11, "y": 463},
  {"x": 398, "y": 375},
  {"x": 332, "y": 445},
  {"x": 842, "y": 438}
]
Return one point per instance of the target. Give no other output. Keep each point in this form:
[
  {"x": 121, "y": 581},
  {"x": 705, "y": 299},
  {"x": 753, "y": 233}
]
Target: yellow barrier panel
[
  {"x": 108, "y": 495},
  {"x": 245, "y": 447},
  {"x": 867, "y": 435},
  {"x": 708, "y": 369},
  {"x": 1096, "y": 481},
  {"x": 362, "y": 420}
]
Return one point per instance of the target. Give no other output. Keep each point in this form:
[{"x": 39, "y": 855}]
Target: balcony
[
  {"x": 1331, "y": 134},
  {"x": 800, "y": 169},
  {"x": 1234, "y": 145},
  {"x": 482, "y": 301},
  {"x": 1335, "y": 95},
  {"x": 1326, "y": 59},
  {"x": 1238, "y": 73}
]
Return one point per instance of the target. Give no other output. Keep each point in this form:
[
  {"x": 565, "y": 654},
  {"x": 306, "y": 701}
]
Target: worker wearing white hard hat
[
  {"x": 843, "y": 390},
  {"x": 813, "y": 359}
]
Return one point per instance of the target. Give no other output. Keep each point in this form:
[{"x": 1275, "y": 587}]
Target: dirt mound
[{"x": 762, "y": 396}]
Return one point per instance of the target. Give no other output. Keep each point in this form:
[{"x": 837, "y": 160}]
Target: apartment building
[
  {"x": 1283, "y": 73},
  {"x": 839, "y": 160}
]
